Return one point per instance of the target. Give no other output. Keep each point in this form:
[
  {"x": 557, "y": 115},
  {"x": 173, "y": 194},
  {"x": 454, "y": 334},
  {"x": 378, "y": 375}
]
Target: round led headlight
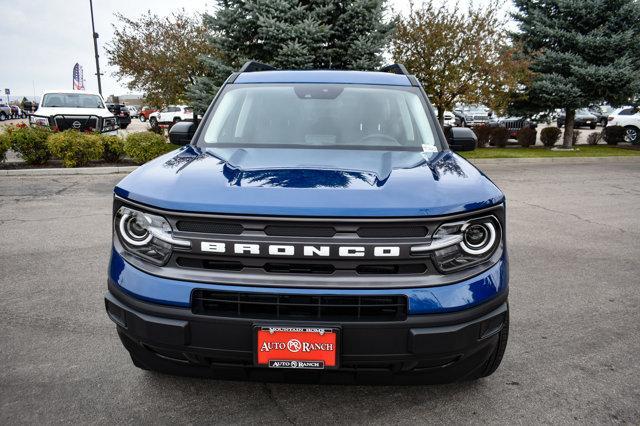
[
  {"x": 478, "y": 238},
  {"x": 134, "y": 228}
]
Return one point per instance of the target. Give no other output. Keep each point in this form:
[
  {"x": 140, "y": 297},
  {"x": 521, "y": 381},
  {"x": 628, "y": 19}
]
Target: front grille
[
  {"x": 299, "y": 306},
  {"x": 514, "y": 124},
  {"x": 304, "y": 230},
  {"x": 81, "y": 123}
]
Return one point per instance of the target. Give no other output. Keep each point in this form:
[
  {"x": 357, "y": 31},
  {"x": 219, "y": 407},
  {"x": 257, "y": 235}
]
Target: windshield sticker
[{"x": 429, "y": 148}]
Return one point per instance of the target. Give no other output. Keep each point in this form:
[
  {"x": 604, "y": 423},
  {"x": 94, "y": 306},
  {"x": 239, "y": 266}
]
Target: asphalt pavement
[{"x": 573, "y": 354}]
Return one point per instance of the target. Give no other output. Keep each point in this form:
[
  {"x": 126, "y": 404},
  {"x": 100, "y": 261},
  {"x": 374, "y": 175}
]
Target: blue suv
[{"x": 315, "y": 226}]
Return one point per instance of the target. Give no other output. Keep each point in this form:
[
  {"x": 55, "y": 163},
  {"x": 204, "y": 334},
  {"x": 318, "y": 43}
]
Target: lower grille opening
[{"x": 299, "y": 306}]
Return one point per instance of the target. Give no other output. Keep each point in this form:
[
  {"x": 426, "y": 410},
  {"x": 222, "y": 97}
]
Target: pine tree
[
  {"x": 291, "y": 34},
  {"x": 584, "y": 51}
]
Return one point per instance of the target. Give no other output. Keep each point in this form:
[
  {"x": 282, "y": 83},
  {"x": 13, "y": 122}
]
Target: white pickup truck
[{"x": 72, "y": 109}]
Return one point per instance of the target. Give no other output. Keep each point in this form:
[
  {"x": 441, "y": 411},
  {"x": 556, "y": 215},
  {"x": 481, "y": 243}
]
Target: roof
[
  {"x": 343, "y": 77},
  {"x": 70, "y": 92}
]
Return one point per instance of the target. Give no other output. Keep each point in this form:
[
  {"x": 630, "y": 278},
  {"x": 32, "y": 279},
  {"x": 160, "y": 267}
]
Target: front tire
[
  {"x": 496, "y": 357},
  {"x": 153, "y": 122},
  {"x": 2, "y": 116},
  {"x": 632, "y": 135},
  {"x": 142, "y": 118},
  {"x": 123, "y": 127},
  {"x": 592, "y": 126}
]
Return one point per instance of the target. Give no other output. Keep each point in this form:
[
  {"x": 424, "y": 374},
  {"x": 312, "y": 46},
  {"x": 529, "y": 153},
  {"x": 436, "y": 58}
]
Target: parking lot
[{"x": 572, "y": 357}]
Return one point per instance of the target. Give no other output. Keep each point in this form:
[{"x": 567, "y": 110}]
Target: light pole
[{"x": 95, "y": 47}]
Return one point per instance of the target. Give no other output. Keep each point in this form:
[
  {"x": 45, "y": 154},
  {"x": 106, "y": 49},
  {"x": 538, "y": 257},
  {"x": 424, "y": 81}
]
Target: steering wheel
[{"x": 379, "y": 136}]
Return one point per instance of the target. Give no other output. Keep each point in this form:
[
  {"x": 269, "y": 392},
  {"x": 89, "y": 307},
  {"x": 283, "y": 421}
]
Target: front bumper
[
  {"x": 436, "y": 348},
  {"x": 450, "y": 333}
]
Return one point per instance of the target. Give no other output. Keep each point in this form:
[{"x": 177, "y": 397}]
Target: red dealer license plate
[{"x": 297, "y": 347}]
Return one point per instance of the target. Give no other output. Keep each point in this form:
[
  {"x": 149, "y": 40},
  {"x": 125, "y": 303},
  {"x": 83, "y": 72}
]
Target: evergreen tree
[
  {"x": 584, "y": 51},
  {"x": 291, "y": 34}
]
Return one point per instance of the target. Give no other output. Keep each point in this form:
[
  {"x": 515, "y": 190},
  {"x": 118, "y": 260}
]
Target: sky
[{"x": 43, "y": 39}]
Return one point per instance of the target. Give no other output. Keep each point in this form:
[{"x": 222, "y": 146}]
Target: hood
[
  {"x": 48, "y": 112},
  {"x": 310, "y": 182}
]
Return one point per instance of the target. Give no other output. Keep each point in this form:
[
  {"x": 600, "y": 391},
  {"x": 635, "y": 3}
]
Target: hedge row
[
  {"x": 549, "y": 136},
  {"x": 36, "y": 145}
]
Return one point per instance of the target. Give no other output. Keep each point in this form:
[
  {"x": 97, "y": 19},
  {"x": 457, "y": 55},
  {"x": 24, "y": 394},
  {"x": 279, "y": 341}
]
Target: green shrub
[
  {"x": 483, "y": 133},
  {"x": 113, "y": 148},
  {"x": 146, "y": 146},
  {"x": 5, "y": 144},
  {"x": 499, "y": 137},
  {"x": 30, "y": 143},
  {"x": 75, "y": 149},
  {"x": 594, "y": 138},
  {"x": 549, "y": 136},
  {"x": 527, "y": 137},
  {"x": 613, "y": 135},
  {"x": 574, "y": 137}
]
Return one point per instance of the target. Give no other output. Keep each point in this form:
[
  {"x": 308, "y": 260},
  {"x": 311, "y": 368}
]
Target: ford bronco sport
[{"x": 317, "y": 225}]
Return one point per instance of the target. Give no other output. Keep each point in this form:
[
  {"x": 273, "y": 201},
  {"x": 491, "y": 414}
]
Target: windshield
[
  {"x": 71, "y": 100},
  {"x": 320, "y": 116}
]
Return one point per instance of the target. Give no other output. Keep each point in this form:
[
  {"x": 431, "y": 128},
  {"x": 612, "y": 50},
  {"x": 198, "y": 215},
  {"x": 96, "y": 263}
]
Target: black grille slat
[
  {"x": 299, "y": 306},
  {"x": 299, "y": 231},
  {"x": 302, "y": 267},
  {"x": 210, "y": 227},
  {"x": 392, "y": 232}
]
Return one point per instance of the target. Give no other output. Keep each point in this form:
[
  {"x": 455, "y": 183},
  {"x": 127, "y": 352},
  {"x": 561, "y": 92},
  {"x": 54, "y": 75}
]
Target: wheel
[
  {"x": 124, "y": 126},
  {"x": 3, "y": 116},
  {"x": 592, "y": 126},
  {"x": 176, "y": 119},
  {"x": 632, "y": 135},
  {"x": 603, "y": 122},
  {"x": 559, "y": 124},
  {"x": 463, "y": 123},
  {"x": 496, "y": 357},
  {"x": 142, "y": 118},
  {"x": 153, "y": 122}
]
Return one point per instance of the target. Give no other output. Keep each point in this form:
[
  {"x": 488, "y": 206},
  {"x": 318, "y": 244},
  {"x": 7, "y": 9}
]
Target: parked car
[
  {"x": 133, "y": 111},
  {"x": 318, "y": 221},
  {"x": 583, "y": 118},
  {"x": 514, "y": 124},
  {"x": 121, "y": 113},
  {"x": 171, "y": 114},
  {"x": 5, "y": 112},
  {"x": 29, "y": 107},
  {"x": 72, "y": 109},
  {"x": 16, "y": 112},
  {"x": 471, "y": 115},
  {"x": 601, "y": 112},
  {"x": 449, "y": 119},
  {"x": 145, "y": 112},
  {"x": 629, "y": 118}
]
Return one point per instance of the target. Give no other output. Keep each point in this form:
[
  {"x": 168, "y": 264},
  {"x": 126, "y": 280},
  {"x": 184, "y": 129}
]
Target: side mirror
[
  {"x": 182, "y": 132},
  {"x": 462, "y": 139}
]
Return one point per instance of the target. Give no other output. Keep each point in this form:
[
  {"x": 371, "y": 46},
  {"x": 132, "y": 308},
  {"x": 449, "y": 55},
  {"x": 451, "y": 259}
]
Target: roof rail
[
  {"x": 395, "y": 69},
  {"x": 254, "y": 66}
]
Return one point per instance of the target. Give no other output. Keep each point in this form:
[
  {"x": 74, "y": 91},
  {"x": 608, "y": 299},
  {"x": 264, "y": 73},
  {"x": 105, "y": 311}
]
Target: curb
[
  {"x": 76, "y": 171},
  {"x": 556, "y": 160}
]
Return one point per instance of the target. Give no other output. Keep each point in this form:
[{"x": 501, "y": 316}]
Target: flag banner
[{"x": 78, "y": 78}]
